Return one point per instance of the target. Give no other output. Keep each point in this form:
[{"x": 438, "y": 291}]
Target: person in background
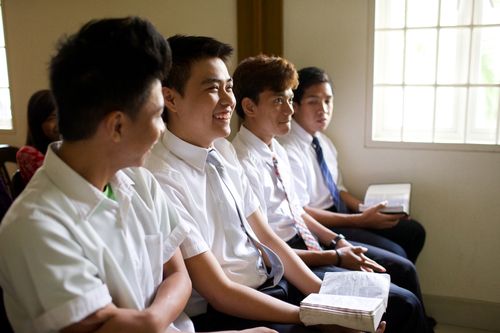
[
  {"x": 264, "y": 102},
  {"x": 42, "y": 130},
  {"x": 321, "y": 191}
]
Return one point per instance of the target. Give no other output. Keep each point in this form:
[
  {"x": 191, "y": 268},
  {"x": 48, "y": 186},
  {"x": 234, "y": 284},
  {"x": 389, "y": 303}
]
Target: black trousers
[{"x": 405, "y": 311}]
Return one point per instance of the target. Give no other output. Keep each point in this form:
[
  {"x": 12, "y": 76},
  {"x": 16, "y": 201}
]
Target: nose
[
  {"x": 227, "y": 98},
  {"x": 288, "y": 109},
  {"x": 325, "y": 107}
]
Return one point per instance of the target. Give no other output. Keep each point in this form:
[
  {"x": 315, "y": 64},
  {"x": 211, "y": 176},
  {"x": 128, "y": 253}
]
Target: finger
[{"x": 381, "y": 327}]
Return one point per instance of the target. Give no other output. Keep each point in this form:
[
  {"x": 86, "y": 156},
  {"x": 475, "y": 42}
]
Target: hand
[
  {"x": 374, "y": 219},
  {"x": 354, "y": 258}
]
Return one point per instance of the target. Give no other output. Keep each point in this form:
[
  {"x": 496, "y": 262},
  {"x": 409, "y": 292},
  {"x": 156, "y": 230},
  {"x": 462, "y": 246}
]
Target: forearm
[
  {"x": 330, "y": 219},
  {"x": 350, "y": 201},
  {"x": 317, "y": 258},
  {"x": 170, "y": 299},
  {"x": 245, "y": 302}
]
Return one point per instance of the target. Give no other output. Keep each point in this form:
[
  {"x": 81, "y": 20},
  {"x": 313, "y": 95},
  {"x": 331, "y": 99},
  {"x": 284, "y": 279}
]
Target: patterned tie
[
  {"x": 307, "y": 236},
  {"x": 277, "y": 269},
  {"x": 327, "y": 176}
]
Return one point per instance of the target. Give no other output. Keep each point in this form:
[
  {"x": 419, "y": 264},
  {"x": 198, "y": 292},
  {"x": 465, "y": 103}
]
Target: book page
[
  {"x": 361, "y": 284},
  {"x": 397, "y": 197}
]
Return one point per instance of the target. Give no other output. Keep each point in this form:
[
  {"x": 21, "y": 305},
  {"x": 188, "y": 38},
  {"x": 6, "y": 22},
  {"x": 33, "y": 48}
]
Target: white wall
[
  {"x": 32, "y": 28},
  {"x": 456, "y": 195}
]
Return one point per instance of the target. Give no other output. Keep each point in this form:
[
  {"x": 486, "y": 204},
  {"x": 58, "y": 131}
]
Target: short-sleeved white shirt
[
  {"x": 257, "y": 160},
  {"x": 181, "y": 169},
  {"x": 66, "y": 250},
  {"x": 310, "y": 184}
]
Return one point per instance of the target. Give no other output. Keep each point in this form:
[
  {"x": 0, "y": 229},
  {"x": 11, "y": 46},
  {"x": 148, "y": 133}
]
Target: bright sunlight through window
[
  {"x": 437, "y": 71},
  {"x": 5, "y": 110}
]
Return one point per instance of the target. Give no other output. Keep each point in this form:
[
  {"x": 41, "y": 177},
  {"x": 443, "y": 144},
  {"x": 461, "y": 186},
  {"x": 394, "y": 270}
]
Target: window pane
[
  {"x": 487, "y": 12},
  {"x": 420, "y": 56},
  {"x": 456, "y": 12},
  {"x": 389, "y": 14},
  {"x": 5, "y": 115},
  {"x": 450, "y": 115},
  {"x": 387, "y": 115},
  {"x": 422, "y": 13},
  {"x": 418, "y": 114},
  {"x": 485, "y": 60},
  {"x": 388, "y": 62},
  {"x": 4, "y": 76},
  {"x": 453, "y": 61},
  {"x": 482, "y": 121}
]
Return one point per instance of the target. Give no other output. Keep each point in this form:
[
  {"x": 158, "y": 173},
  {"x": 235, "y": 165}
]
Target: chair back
[{"x": 7, "y": 155}]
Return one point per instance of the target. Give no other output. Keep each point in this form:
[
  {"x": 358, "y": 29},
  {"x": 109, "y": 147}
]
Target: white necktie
[{"x": 277, "y": 269}]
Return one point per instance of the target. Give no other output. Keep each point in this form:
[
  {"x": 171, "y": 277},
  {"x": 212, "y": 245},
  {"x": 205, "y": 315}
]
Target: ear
[
  {"x": 170, "y": 98},
  {"x": 113, "y": 125},
  {"x": 248, "y": 107}
]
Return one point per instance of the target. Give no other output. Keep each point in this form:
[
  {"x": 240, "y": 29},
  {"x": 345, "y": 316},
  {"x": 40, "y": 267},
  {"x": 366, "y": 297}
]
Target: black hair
[
  {"x": 186, "y": 50},
  {"x": 40, "y": 106},
  {"x": 309, "y": 76},
  {"x": 108, "y": 65}
]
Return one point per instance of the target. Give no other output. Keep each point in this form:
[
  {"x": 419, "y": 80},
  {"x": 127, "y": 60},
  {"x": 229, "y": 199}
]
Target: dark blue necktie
[{"x": 327, "y": 176}]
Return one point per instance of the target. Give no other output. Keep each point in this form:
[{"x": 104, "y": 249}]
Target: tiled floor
[{"x": 456, "y": 329}]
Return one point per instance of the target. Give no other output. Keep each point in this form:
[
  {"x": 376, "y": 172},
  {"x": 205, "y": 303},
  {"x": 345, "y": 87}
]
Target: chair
[{"x": 7, "y": 155}]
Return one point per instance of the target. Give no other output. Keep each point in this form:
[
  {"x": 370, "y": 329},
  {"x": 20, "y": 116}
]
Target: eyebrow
[{"x": 215, "y": 80}]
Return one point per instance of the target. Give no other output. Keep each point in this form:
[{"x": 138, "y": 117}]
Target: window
[
  {"x": 5, "y": 110},
  {"x": 436, "y": 71}
]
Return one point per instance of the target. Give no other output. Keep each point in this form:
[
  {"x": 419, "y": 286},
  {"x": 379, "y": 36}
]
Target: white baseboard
[{"x": 464, "y": 312}]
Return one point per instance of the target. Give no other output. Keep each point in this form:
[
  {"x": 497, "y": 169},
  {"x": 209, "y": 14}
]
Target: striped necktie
[{"x": 304, "y": 232}]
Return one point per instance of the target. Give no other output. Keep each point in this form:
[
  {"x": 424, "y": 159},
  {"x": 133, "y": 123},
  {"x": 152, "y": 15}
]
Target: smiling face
[
  {"x": 271, "y": 116},
  {"x": 315, "y": 110},
  {"x": 203, "y": 113}
]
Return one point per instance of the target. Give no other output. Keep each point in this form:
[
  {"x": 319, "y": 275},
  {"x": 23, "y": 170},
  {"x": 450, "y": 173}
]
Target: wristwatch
[{"x": 336, "y": 240}]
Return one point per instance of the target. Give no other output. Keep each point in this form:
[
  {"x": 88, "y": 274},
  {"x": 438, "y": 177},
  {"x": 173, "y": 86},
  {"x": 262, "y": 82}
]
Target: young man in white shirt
[
  {"x": 313, "y": 105},
  {"x": 91, "y": 245},
  {"x": 195, "y": 163},
  {"x": 264, "y": 102}
]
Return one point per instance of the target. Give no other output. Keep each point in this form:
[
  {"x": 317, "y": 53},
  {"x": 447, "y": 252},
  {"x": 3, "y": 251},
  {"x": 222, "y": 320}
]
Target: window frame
[
  {"x": 11, "y": 130},
  {"x": 369, "y": 142}
]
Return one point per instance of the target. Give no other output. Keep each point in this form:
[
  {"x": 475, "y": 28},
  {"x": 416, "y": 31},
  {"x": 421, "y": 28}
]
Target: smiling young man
[
  {"x": 232, "y": 252},
  {"x": 263, "y": 89}
]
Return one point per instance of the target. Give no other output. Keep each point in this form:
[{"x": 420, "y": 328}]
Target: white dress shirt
[
  {"x": 182, "y": 170},
  {"x": 67, "y": 250},
  {"x": 310, "y": 185},
  {"x": 257, "y": 160}
]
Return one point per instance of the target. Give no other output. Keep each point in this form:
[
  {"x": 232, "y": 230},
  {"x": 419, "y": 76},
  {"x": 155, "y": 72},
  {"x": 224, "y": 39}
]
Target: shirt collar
[
  {"x": 257, "y": 145},
  {"x": 193, "y": 155},
  {"x": 301, "y": 133},
  {"x": 84, "y": 195}
]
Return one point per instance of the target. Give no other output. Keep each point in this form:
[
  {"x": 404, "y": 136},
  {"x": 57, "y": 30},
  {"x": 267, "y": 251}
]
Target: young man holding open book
[
  {"x": 263, "y": 89},
  {"x": 313, "y": 159}
]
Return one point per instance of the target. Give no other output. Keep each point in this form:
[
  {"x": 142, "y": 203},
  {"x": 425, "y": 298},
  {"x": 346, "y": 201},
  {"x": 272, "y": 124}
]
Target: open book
[
  {"x": 354, "y": 299},
  {"x": 397, "y": 197}
]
